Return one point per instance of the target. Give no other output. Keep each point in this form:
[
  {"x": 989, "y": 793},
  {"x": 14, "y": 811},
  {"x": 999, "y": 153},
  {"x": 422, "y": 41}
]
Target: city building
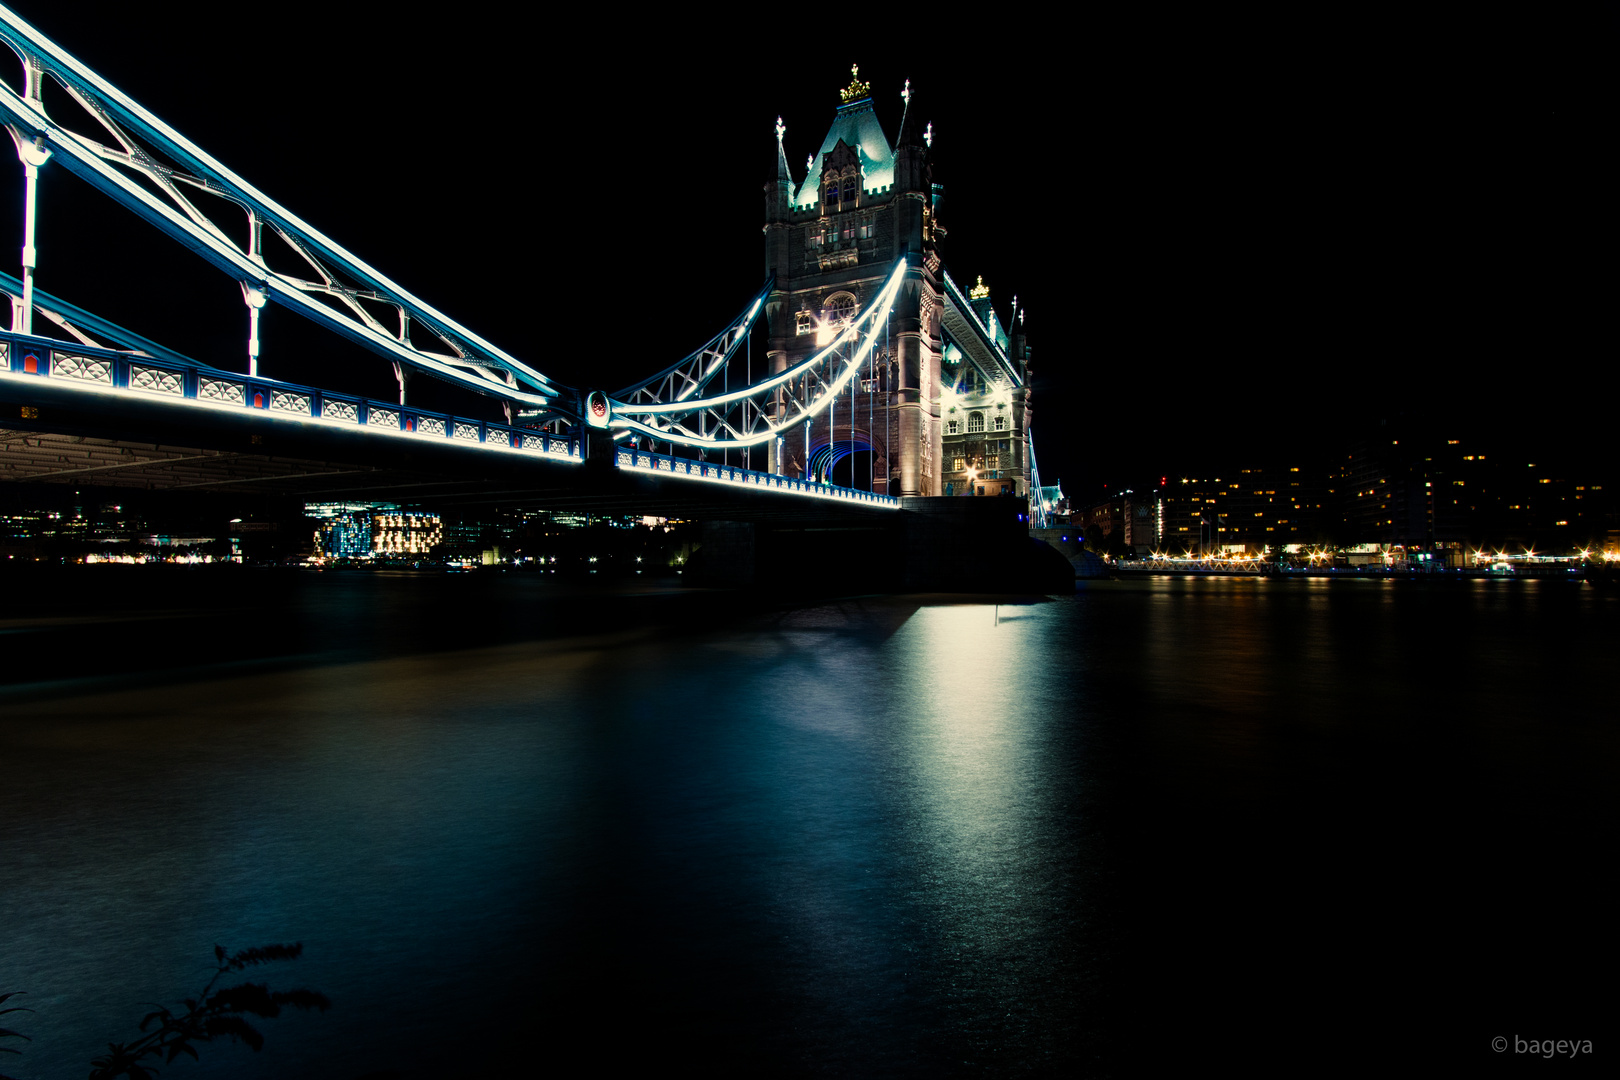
[
  {"x": 1127, "y": 520},
  {"x": 367, "y": 530},
  {"x": 1253, "y": 511},
  {"x": 944, "y": 407}
]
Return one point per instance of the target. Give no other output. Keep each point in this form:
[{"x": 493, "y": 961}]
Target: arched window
[
  {"x": 953, "y": 427},
  {"x": 975, "y": 422},
  {"x": 832, "y": 196},
  {"x": 840, "y": 308},
  {"x": 849, "y": 191},
  {"x": 1000, "y": 423}
]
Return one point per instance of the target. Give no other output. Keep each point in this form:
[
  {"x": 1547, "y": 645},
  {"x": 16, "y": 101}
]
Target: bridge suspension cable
[{"x": 740, "y": 418}]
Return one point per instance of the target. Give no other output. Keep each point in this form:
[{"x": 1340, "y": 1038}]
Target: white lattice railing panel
[
  {"x": 466, "y": 431},
  {"x": 383, "y": 418},
  {"x": 81, "y": 367},
  {"x": 346, "y": 411},
  {"x": 289, "y": 402},
  {"x": 156, "y": 380},
  {"x": 221, "y": 390},
  {"x": 428, "y": 425}
]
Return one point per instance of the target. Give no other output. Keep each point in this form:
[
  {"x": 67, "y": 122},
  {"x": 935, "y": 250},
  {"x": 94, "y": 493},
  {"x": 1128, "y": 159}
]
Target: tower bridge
[{"x": 879, "y": 371}]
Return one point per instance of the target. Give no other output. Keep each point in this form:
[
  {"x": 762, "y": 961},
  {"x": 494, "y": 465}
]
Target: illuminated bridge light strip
[
  {"x": 90, "y": 370},
  {"x": 733, "y": 476}
]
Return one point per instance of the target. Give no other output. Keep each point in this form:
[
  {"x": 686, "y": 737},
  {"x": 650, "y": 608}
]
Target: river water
[{"x": 1270, "y": 822}]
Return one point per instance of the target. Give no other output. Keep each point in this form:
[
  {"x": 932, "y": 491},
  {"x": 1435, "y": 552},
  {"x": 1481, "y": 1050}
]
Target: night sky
[{"x": 1231, "y": 240}]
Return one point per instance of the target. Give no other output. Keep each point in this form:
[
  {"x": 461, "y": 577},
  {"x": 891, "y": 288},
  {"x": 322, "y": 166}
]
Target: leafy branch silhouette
[
  {"x": 7, "y": 1033},
  {"x": 211, "y": 1015}
]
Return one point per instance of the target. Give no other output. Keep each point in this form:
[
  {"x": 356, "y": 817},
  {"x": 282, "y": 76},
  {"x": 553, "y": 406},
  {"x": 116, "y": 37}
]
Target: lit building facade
[
  {"x": 944, "y": 406},
  {"x": 371, "y": 530}
]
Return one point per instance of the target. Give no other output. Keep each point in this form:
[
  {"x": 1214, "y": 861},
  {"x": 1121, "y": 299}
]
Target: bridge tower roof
[{"x": 857, "y": 126}]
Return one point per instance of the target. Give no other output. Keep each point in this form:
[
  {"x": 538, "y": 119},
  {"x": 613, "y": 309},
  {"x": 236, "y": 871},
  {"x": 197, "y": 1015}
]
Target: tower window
[
  {"x": 953, "y": 427},
  {"x": 849, "y": 192},
  {"x": 840, "y": 308},
  {"x": 1000, "y": 423},
  {"x": 975, "y": 422},
  {"x": 804, "y": 323}
]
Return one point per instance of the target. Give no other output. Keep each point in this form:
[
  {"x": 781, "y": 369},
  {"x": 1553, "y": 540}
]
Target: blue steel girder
[
  {"x": 682, "y": 379},
  {"x": 148, "y": 166}
]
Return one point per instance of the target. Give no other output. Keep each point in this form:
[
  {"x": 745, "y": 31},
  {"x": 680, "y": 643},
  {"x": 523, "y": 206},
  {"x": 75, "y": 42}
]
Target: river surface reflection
[{"x": 877, "y": 836}]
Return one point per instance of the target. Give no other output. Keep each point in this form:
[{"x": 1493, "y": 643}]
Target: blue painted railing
[
  {"x": 731, "y": 475},
  {"x": 88, "y": 368}
]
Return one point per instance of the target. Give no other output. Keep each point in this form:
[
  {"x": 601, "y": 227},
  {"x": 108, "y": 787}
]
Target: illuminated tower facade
[{"x": 943, "y": 365}]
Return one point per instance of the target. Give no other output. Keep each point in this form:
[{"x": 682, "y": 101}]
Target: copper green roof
[{"x": 858, "y": 126}]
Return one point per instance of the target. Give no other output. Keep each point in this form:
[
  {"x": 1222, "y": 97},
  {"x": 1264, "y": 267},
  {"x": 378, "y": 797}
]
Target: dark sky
[{"x": 1231, "y": 240}]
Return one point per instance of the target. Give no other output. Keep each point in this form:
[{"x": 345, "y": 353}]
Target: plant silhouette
[
  {"x": 7, "y": 1033},
  {"x": 211, "y": 1015}
]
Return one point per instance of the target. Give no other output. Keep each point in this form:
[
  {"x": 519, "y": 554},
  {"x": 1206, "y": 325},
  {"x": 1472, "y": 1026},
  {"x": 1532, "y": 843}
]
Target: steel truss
[
  {"x": 759, "y": 412},
  {"x": 151, "y": 168}
]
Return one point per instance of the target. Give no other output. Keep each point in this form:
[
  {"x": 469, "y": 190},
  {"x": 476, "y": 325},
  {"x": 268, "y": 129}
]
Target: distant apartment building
[
  {"x": 1399, "y": 489},
  {"x": 1249, "y": 510}
]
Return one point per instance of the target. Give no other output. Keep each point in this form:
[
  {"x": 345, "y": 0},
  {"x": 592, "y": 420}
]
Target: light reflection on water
[{"x": 881, "y": 835}]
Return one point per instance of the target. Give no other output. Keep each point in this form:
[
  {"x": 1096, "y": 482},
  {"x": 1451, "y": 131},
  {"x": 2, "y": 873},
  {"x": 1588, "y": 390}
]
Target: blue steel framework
[{"x": 345, "y": 295}]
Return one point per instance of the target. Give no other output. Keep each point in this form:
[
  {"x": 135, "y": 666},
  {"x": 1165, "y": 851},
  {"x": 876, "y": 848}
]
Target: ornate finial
[
  {"x": 905, "y": 95},
  {"x": 1020, "y": 316},
  {"x": 856, "y": 89},
  {"x": 809, "y": 162},
  {"x": 1015, "y": 305},
  {"x": 781, "y": 129},
  {"x": 979, "y": 291},
  {"x": 928, "y": 135}
]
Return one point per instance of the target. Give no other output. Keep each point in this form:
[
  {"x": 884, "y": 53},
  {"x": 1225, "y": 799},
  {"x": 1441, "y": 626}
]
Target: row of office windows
[
  {"x": 975, "y": 423},
  {"x": 819, "y": 235}
]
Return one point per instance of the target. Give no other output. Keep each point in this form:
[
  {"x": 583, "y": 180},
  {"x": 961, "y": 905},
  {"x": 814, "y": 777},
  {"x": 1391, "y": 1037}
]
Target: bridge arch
[{"x": 849, "y": 456}]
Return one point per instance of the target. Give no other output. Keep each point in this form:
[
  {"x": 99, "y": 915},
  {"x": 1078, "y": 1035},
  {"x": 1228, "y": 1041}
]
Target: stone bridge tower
[
  {"x": 947, "y": 409},
  {"x": 831, "y": 240}
]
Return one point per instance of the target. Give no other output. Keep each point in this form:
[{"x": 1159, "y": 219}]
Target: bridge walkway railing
[
  {"x": 106, "y": 371},
  {"x": 679, "y": 468}
]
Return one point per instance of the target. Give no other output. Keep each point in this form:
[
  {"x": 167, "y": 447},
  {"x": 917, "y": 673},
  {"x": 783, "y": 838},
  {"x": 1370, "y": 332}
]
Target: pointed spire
[
  {"x": 782, "y": 170},
  {"x": 779, "y": 192}
]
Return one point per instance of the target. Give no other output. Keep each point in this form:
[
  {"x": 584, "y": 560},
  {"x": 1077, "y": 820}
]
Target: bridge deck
[{"x": 80, "y": 417}]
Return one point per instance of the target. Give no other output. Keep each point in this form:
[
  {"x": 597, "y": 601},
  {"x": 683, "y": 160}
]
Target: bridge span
[{"x": 89, "y": 402}]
